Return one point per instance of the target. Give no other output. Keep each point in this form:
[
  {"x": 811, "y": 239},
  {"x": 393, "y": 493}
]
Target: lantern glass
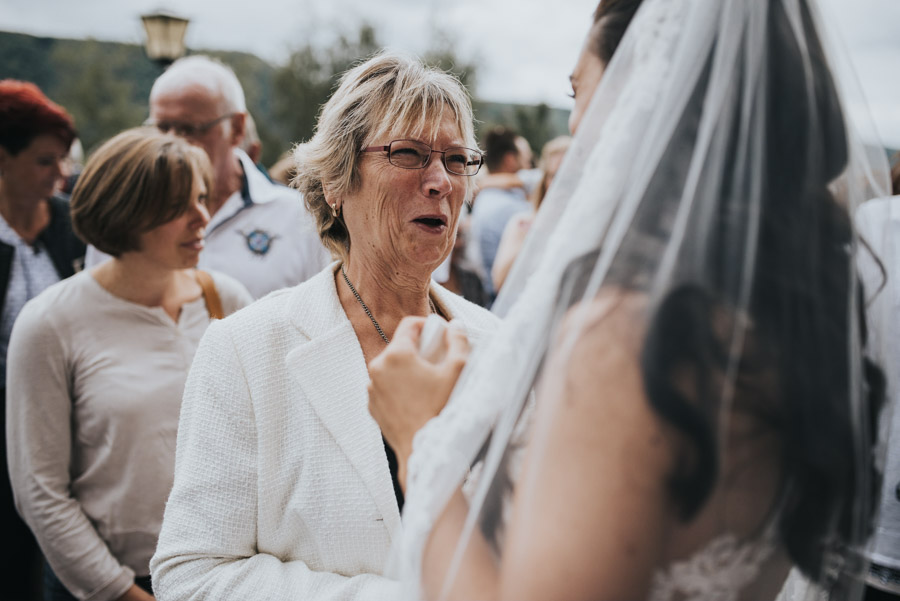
[{"x": 165, "y": 36}]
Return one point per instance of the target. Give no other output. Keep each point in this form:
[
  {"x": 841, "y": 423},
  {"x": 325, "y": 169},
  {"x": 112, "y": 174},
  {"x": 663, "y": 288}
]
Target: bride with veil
[{"x": 679, "y": 403}]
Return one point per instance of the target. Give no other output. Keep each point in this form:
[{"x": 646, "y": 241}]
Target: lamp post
[{"x": 165, "y": 36}]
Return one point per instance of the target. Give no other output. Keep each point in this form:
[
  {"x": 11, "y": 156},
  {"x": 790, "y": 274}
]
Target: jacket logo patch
[{"x": 259, "y": 241}]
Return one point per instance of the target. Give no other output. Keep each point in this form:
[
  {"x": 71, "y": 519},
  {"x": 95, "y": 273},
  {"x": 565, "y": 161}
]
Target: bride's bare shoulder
[
  {"x": 593, "y": 386},
  {"x": 613, "y": 319},
  {"x": 597, "y": 348}
]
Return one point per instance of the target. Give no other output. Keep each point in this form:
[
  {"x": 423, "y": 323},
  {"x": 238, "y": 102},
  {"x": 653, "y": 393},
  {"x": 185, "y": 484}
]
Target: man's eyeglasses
[
  {"x": 187, "y": 130},
  {"x": 411, "y": 154}
]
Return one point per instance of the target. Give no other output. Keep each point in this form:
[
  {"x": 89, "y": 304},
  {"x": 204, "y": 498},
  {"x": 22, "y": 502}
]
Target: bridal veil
[{"x": 716, "y": 175}]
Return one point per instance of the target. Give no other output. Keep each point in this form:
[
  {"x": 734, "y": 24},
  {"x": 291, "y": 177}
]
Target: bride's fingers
[
  {"x": 457, "y": 343},
  {"x": 408, "y": 333},
  {"x": 457, "y": 351}
]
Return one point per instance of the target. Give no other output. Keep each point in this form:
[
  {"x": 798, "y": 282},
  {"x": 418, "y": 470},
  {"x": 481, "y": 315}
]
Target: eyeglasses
[
  {"x": 411, "y": 154},
  {"x": 187, "y": 130}
]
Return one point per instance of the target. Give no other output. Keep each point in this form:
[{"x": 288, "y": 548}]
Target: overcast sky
[{"x": 525, "y": 49}]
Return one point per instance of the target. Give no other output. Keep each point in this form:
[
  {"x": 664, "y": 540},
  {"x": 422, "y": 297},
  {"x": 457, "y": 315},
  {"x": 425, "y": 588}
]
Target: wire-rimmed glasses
[
  {"x": 412, "y": 154},
  {"x": 184, "y": 129}
]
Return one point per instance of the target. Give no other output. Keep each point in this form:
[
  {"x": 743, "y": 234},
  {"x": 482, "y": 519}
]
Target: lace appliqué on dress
[{"x": 718, "y": 572}]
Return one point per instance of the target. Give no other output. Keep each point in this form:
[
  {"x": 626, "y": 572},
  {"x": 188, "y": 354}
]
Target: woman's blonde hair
[
  {"x": 390, "y": 92},
  {"x": 136, "y": 181}
]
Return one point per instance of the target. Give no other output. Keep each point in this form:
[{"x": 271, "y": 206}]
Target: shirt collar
[{"x": 8, "y": 235}]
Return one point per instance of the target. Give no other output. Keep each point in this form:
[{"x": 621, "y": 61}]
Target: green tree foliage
[
  {"x": 443, "y": 55},
  {"x": 307, "y": 80},
  {"x": 256, "y": 77},
  {"x": 24, "y": 57},
  {"x": 534, "y": 122},
  {"x": 98, "y": 91},
  {"x": 538, "y": 124},
  {"x": 106, "y": 85}
]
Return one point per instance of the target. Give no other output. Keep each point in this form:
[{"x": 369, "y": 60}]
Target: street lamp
[{"x": 165, "y": 36}]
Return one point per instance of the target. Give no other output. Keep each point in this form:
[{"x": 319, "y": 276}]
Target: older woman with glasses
[{"x": 284, "y": 486}]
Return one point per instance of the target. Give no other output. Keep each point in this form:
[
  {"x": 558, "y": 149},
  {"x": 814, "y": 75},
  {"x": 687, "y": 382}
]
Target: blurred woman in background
[
  {"x": 37, "y": 249},
  {"x": 97, "y": 366},
  {"x": 514, "y": 235}
]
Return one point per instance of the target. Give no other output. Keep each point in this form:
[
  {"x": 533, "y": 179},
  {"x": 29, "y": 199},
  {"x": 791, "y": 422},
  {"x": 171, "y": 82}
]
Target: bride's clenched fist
[{"x": 406, "y": 390}]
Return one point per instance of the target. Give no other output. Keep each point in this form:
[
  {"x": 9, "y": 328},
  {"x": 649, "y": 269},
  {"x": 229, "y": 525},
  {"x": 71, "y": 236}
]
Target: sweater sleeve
[
  {"x": 208, "y": 545},
  {"x": 39, "y": 446}
]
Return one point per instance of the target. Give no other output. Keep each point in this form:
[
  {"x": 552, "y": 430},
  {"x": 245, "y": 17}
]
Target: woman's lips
[
  {"x": 194, "y": 245},
  {"x": 434, "y": 224}
]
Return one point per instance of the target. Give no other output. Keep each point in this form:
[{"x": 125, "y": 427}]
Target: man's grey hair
[{"x": 207, "y": 72}]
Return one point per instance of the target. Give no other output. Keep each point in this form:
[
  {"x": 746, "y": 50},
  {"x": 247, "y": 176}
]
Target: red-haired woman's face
[{"x": 33, "y": 174}]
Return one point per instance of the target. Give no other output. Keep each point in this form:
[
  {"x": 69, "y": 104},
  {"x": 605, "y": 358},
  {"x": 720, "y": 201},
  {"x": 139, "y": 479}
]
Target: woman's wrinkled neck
[{"x": 388, "y": 288}]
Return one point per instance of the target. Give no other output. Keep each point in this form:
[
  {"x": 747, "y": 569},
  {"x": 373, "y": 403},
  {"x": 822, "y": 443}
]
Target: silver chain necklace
[{"x": 369, "y": 313}]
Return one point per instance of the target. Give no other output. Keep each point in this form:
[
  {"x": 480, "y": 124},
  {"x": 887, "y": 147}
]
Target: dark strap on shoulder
[
  {"x": 65, "y": 249},
  {"x": 210, "y": 294},
  {"x": 6, "y": 259}
]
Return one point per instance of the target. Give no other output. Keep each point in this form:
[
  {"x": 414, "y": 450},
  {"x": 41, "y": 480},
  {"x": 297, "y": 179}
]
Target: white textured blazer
[{"x": 282, "y": 488}]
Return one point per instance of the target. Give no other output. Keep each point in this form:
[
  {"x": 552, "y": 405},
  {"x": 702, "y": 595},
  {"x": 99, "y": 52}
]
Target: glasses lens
[
  {"x": 182, "y": 130},
  {"x": 462, "y": 161},
  {"x": 408, "y": 154},
  {"x": 186, "y": 130}
]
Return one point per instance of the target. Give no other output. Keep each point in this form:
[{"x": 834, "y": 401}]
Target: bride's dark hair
[
  {"x": 611, "y": 20},
  {"x": 794, "y": 374}
]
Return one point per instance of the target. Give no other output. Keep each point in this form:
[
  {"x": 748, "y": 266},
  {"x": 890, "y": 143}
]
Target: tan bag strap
[{"x": 210, "y": 294}]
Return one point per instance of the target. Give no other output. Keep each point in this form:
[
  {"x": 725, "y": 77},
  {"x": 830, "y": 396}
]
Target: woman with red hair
[{"x": 37, "y": 249}]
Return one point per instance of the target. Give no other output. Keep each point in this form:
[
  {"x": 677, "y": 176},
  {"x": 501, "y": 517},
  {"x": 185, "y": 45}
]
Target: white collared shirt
[
  {"x": 31, "y": 272},
  {"x": 266, "y": 240}
]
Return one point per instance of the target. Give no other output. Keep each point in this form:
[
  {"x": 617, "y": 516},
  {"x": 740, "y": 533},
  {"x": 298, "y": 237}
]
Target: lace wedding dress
[{"x": 723, "y": 570}]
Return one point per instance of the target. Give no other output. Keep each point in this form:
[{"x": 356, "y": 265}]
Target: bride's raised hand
[{"x": 406, "y": 390}]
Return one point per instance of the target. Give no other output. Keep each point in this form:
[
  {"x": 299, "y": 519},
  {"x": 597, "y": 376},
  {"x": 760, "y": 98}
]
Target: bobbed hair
[
  {"x": 26, "y": 113},
  {"x": 136, "y": 181},
  {"x": 389, "y": 96}
]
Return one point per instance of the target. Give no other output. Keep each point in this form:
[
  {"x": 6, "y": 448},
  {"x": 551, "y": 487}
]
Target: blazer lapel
[
  {"x": 331, "y": 372},
  {"x": 479, "y": 323}
]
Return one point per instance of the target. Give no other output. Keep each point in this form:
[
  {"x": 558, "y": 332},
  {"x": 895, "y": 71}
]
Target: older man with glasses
[{"x": 260, "y": 233}]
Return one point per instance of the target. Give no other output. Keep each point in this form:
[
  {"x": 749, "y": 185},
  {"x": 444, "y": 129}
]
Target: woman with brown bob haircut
[{"x": 98, "y": 364}]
